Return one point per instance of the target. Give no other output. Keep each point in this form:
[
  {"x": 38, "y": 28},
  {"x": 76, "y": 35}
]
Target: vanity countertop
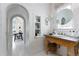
[{"x": 67, "y": 38}]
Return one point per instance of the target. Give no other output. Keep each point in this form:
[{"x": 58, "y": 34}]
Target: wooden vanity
[{"x": 53, "y": 42}]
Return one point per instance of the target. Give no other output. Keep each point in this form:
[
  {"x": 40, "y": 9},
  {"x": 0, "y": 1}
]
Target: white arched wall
[
  {"x": 12, "y": 11},
  {"x": 34, "y": 9}
]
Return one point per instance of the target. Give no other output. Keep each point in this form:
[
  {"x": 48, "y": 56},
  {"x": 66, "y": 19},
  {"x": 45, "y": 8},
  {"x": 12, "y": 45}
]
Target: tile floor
[{"x": 21, "y": 50}]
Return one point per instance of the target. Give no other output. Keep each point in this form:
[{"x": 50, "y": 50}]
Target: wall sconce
[{"x": 47, "y": 20}]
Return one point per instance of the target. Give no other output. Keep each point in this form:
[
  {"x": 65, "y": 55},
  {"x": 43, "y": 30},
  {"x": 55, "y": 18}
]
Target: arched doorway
[
  {"x": 13, "y": 11},
  {"x": 18, "y": 33}
]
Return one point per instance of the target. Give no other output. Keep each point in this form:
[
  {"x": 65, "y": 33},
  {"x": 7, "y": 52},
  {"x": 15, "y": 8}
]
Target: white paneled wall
[{"x": 1, "y": 46}]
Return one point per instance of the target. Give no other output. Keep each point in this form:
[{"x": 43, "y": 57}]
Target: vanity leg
[
  {"x": 67, "y": 51},
  {"x": 47, "y": 51},
  {"x": 72, "y": 51},
  {"x": 46, "y": 46},
  {"x": 76, "y": 50}
]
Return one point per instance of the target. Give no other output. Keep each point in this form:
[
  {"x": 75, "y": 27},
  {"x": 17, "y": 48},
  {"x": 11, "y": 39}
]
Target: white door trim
[{"x": 10, "y": 14}]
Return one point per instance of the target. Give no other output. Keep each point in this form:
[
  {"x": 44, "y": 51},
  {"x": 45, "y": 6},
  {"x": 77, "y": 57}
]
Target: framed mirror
[{"x": 64, "y": 16}]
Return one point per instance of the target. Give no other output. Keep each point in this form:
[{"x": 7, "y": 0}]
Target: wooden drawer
[{"x": 62, "y": 42}]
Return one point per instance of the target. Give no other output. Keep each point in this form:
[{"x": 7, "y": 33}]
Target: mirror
[{"x": 64, "y": 16}]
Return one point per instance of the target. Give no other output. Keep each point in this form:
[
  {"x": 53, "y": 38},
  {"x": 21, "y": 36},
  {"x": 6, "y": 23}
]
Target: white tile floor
[
  {"x": 42, "y": 53},
  {"x": 21, "y": 50}
]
